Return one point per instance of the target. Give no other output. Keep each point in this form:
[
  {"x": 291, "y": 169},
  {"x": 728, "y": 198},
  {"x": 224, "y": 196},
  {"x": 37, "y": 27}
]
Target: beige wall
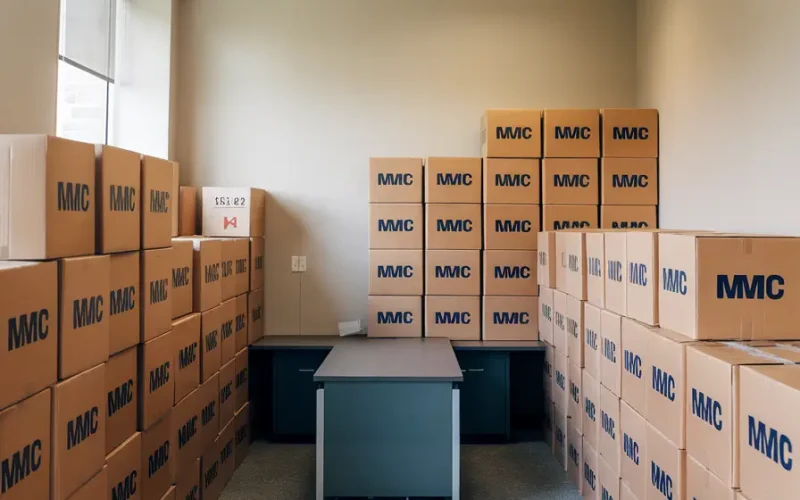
[
  {"x": 295, "y": 95},
  {"x": 725, "y": 75}
]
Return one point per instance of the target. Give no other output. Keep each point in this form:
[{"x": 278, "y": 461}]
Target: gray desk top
[
  {"x": 298, "y": 342},
  {"x": 499, "y": 345},
  {"x": 416, "y": 360}
]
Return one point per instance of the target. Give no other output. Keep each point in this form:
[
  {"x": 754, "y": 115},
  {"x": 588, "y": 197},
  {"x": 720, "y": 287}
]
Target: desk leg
[
  {"x": 320, "y": 442},
  {"x": 456, "y": 444}
]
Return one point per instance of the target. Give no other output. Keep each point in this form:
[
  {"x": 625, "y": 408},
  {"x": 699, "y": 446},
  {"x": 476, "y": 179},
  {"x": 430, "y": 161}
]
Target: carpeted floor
[{"x": 521, "y": 471}]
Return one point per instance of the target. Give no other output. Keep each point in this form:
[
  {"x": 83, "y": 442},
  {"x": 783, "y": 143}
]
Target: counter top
[
  {"x": 499, "y": 345},
  {"x": 298, "y": 342}
]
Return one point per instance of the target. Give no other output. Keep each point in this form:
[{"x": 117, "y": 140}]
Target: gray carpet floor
[{"x": 521, "y": 471}]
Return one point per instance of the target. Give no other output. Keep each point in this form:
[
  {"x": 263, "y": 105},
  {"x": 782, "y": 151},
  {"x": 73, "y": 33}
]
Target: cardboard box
[
  {"x": 575, "y": 401},
  {"x": 635, "y": 363},
  {"x": 574, "y": 320},
  {"x": 240, "y": 325},
  {"x": 560, "y": 380},
  {"x": 611, "y": 354},
  {"x": 182, "y": 264},
  {"x": 158, "y": 467},
  {"x": 207, "y": 285},
  {"x": 628, "y": 216},
  {"x": 96, "y": 487},
  {"x": 233, "y": 212},
  {"x": 233, "y": 267},
  {"x": 625, "y": 492},
  {"x": 227, "y": 398},
  {"x": 255, "y": 304},
  {"x": 590, "y": 406},
  {"x": 211, "y": 484},
  {"x": 510, "y": 272},
  {"x": 170, "y": 494},
  {"x": 257, "y": 250},
  {"x": 510, "y": 227},
  {"x": 49, "y": 198},
  {"x": 227, "y": 317},
  {"x": 547, "y": 423},
  {"x": 242, "y": 373},
  {"x": 570, "y": 181},
  {"x": 123, "y": 311},
  {"x": 591, "y": 483},
  {"x": 560, "y": 322},
  {"x": 575, "y": 456},
  {"x": 122, "y": 391},
  {"x": 394, "y": 226},
  {"x": 610, "y": 437},
  {"x": 453, "y": 180},
  {"x": 629, "y": 181},
  {"x": 571, "y": 133},
  {"x": 510, "y": 318},
  {"x": 630, "y": 133},
  {"x": 546, "y": 315},
  {"x": 186, "y": 431},
  {"x": 642, "y": 284},
  {"x": 156, "y": 306},
  {"x": 558, "y": 217},
  {"x": 453, "y": 317},
  {"x": 118, "y": 183},
  {"x": 511, "y": 133},
  {"x": 28, "y": 309},
  {"x": 186, "y": 342},
  {"x": 227, "y": 459},
  {"x": 729, "y": 287},
  {"x": 157, "y": 203},
  {"x": 394, "y": 316},
  {"x": 616, "y": 272},
  {"x": 124, "y": 469},
  {"x": 157, "y": 376},
  {"x": 453, "y": 227},
  {"x": 592, "y": 325},
  {"x": 571, "y": 273},
  {"x": 241, "y": 421},
  {"x": 452, "y": 272},
  {"x": 25, "y": 427},
  {"x": 595, "y": 263},
  {"x": 560, "y": 437},
  {"x": 549, "y": 354},
  {"x": 608, "y": 480},
  {"x": 83, "y": 327},
  {"x": 546, "y": 270},
  {"x": 634, "y": 464},
  {"x": 79, "y": 431},
  {"x": 187, "y": 206},
  {"x": 209, "y": 411},
  {"x": 701, "y": 483},
  {"x": 395, "y": 272},
  {"x": 187, "y": 485},
  {"x": 667, "y": 466},
  {"x": 395, "y": 180},
  {"x": 511, "y": 181},
  {"x": 175, "y": 195},
  {"x": 211, "y": 343}
]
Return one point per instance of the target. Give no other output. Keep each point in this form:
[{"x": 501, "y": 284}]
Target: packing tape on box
[{"x": 761, "y": 354}]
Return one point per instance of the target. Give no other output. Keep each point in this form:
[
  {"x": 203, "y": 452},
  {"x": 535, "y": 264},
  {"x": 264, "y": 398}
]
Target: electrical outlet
[
  {"x": 295, "y": 264},
  {"x": 302, "y": 264}
]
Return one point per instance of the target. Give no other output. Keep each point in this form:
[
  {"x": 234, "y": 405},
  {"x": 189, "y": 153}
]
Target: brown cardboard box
[
  {"x": 560, "y": 437},
  {"x": 124, "y": 469},
  {"x": 546, "y": 315},
  {"x": 211, "y": 343},
  {"x": 96, "y": 487},
  {"x": 209, "y": 411},
  {"x": 570, "y": 181},
  {"x": 227, "y": 398},
  {"x": 175, "y": 195},
  {"x": 557, "y": 217},
  {"x": 630, "y": 133},
  {"x": 170, "y": 494},
  {"x": 591, "y": 483},
  {"x": 157, "y": 376},
  {"x": 211, "y": 485},
  {"x": 628, "y": 217},
  {"x": 235, "y": 254},
  {"x": 547, "y": 423},
  {"x": 575, "y": 400},
  {"x": 242, "y": 433},
  {"x": 186, "y": 341},
  {"x": 611, "y": 355},
  {"x": 513, "y": 181},
  {"x": 83, "y": 326},
  {"x": 452, "y": 272},
  {"x": 187, "y": 219},
  {"x": 227, "y": 317},
  {"x": 79, "y": 432},
  {"x": 28, "y": 309},
  {"x": 186, "y": 431},
  {"x": 25, "y": 428},
  {"x": 729, "y": 287},
  {"x": 610, "y": 438},
  {"x": 592, "y": 325},
  {"x": 157, "y": 202},
  {"x": 549, "y": 354},
  {"x": 510, "y": 318},
  {"x": 255, "y": 304},
  {"x": 546, "y": 269},
  {"x": 642, "y": 284},
  {"x": 667, "y": 466},
  {"x": 242, "y": 374},
  {"x": 634, "y": 465},
  {"x": 395, "y": 180},
  {"x": 158, "y": 467},
  {"x": 560, "y": 382},
  {"x": 595, "y": 264},
  {"x": 453, "y": 227},
  {"x": 511, "y": 133},
  {"x": 700, "y": 483},
  {"x": 182, "y": 264},
  {"x": 241, "y": 265},
  {"x": 156, "y": 287},
  {"x": 625, "y": 492},
  {"x": 227, "y": 459},
  {"x": 510, "y": 272},
  {"x": 571, "y": 133},
  {"x": 394, "y": 226},
  {"x": 571, "y": 270},
  {"x": 608, "y": 480},
  {"x": 453, "y": 180},
  {"x": 257, "y": 250},
  {"x": 240, "y": 325},
  {"x": 123, "y": 397},
  {"x": 629, "y": 181},
  {"x": 510, "y": 227},
  {"x": 560, "y": 322},
  {"x": 575, "y": 456},
  {"x": 207, "y": 286},
  {"x": 123, "y": 310},
  {"x": 394, "y": 316},
  {"x": 117, "y": 184},
  {"x": 574, "y": 321},
  {"x": 233, "y": 212},
  {"x": 616, "y": 272},
  {"x": 453, "y": 317},
  {"x": 395, "y": 272},
  {"x": 49, "y": 205},
  {"x": 188, "y": 482},
  {"x": 635, "y": 363}
]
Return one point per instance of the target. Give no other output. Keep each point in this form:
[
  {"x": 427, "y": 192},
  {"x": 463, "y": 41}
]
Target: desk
[{"x": 388, "y": 419}]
